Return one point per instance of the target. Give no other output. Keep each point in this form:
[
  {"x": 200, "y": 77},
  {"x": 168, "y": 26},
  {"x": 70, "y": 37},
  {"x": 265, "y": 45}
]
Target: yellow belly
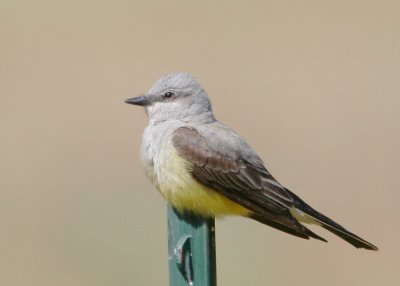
[{"x": 181, "y": 190}]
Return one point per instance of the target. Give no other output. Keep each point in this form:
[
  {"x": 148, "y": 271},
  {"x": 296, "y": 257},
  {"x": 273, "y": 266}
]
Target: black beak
[{"x": 140, "y": 100}]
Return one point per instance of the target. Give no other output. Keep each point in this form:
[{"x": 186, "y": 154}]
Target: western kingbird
[{"x": 201, "y": 166}]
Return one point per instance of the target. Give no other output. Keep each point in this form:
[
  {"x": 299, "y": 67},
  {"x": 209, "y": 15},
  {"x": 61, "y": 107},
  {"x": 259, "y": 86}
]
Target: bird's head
[{"x": 176, "y": 96}]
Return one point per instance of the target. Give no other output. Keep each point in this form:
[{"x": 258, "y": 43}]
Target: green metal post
[{"x": 191, "y": 250}]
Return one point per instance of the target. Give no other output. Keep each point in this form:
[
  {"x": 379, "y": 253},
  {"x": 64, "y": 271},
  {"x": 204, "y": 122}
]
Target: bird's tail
[
  {"x": 330, "y": 225},
  {"x": 340, "y": 231}
]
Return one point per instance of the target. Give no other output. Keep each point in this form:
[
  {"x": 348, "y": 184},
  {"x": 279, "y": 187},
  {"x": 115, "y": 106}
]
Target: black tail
[
  {"x": 340, "y": 231},
  {"x": 287, "y": 223},
  {"x": 332, "y": 226}
]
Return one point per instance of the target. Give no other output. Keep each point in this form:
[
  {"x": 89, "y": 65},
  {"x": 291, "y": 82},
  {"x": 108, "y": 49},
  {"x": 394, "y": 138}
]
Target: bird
[{"x": 201, "y": 166}]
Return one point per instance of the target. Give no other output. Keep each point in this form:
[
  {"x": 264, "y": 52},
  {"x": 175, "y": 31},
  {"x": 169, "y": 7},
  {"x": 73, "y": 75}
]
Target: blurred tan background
[{"x": 321, "y": 78}]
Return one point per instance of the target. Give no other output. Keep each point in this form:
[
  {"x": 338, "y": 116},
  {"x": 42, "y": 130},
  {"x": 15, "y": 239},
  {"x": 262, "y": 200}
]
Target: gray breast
[{"x": 154, "y": 145}]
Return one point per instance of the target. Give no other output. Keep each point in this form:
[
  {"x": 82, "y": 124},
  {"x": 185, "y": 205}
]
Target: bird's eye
[{"x": 168, "y": 94}]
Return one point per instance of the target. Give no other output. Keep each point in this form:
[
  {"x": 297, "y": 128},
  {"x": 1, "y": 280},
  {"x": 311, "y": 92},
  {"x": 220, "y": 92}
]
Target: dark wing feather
[{"x": 246, "y": 182}]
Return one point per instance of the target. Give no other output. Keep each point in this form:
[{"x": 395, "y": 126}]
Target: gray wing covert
[
  {"x": 250, "y": 184},
  {"x": 240, "y": 177},
  {"x": 244, "y": 182}
]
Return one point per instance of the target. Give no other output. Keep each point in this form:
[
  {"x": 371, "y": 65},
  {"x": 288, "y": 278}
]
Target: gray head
[{"x": 176, "y": 96}]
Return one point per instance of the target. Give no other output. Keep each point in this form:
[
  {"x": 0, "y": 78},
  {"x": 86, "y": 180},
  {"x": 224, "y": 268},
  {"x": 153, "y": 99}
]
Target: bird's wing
[{"x": 225, "y": 163}]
